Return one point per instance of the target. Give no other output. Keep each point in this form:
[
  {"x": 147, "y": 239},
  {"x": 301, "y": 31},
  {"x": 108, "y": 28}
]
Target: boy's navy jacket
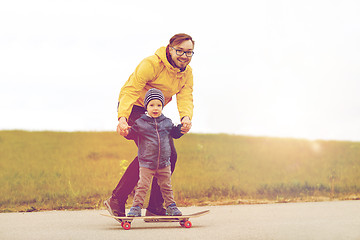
[{"x": 153, "y": 136}]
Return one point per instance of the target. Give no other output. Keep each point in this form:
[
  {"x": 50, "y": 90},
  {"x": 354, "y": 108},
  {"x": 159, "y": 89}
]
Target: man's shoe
[
  {"x": 154, "y": 212},
  {"x": 115, "y": 208},
  {"x": 172, "y": 210}
]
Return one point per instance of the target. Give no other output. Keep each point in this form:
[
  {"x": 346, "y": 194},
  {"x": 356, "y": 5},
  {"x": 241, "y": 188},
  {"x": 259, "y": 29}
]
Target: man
[{"x": 169, "y": 71}]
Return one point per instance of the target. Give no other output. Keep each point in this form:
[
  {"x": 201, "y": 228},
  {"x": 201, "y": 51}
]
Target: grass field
[{"x": 78, "y": 170}]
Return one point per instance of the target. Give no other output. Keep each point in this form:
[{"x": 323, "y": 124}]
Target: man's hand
[
  {"x": 123, "y": 127},
  {"x": 186, "y": 125}
]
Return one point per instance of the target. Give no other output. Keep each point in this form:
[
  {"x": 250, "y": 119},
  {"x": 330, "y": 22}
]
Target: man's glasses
[{"x": 181, "y": 52}]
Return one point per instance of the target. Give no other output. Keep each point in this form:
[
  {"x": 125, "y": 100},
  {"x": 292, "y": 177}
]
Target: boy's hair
[{"x": 179, "y": 38}]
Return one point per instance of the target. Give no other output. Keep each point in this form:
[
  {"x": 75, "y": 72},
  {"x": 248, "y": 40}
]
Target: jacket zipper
[{"x": 157, "y": 132}]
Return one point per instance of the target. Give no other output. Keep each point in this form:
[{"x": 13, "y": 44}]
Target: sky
[{"x": 261, "y": 68}]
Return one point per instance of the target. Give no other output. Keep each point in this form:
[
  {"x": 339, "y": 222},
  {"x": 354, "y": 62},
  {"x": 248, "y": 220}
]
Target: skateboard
[{"x": 183, "y": 220}]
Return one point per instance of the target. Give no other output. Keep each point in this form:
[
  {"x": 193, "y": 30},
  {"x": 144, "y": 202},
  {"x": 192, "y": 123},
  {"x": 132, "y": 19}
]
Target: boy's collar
[{"x": 147, "y": 114}]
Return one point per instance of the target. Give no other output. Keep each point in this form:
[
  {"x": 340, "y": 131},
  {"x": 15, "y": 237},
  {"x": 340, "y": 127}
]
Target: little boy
[{"x": 152, "y": 133}]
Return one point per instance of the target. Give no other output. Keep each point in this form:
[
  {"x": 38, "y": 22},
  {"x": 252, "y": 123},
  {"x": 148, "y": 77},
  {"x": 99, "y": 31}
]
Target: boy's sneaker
[
  {"x": 172, "y": 210},
  {"x": 115, "y": 208},
  {"x": 134, "y": 212}
]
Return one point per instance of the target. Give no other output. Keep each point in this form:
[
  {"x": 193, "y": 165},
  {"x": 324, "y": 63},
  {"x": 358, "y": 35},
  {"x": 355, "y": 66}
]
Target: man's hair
[{"x": 179, "y": 38}]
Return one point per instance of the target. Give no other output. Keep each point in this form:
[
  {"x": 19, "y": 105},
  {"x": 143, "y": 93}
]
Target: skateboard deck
[{"x": 183, "y": 220}]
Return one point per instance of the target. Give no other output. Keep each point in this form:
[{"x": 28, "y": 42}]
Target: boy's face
[{"x": 154, "y": 108}]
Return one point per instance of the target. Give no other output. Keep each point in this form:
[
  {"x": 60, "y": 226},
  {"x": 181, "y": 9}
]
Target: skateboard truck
[{"x": 184, "y": 223}]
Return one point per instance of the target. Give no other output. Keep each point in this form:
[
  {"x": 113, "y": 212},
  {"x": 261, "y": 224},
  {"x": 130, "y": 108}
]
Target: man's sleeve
[
  {"x": 184, "y": 99},
  {"x": 131, "y": 90}
]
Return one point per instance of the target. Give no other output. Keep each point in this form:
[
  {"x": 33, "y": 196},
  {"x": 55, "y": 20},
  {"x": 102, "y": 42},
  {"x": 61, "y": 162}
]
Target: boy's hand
[
  {"x": 123, "y": 127},
  {"x": 186, "y": 124}
]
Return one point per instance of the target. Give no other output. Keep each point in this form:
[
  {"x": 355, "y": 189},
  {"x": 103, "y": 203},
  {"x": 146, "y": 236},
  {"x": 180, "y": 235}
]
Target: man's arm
[
  {"x": 123, "y": 127},
  {"x": 184, "y": 99},
  {"x": 186, "y": 124},
  {"x": 131, "y": 91}
]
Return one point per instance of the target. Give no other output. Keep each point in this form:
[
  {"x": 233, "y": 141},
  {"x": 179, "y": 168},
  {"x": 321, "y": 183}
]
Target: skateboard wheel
[
  {"x": 182, "y": 223},
  {"x": 126, "y": 225},
  {"x": 187, "y": 224}
]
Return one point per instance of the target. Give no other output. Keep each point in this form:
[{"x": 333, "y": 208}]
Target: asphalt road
[{"x": 321, "y": 220}]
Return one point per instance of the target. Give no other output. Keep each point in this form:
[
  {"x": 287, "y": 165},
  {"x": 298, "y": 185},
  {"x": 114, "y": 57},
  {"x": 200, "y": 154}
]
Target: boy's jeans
[{"x": 163, "y": 176}]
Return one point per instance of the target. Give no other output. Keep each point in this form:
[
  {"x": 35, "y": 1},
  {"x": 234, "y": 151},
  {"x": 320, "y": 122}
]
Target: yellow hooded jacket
[{"x": 156, "y": 72}]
